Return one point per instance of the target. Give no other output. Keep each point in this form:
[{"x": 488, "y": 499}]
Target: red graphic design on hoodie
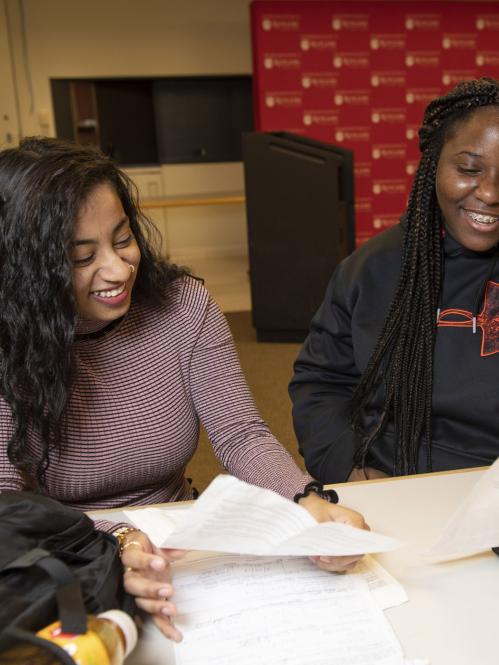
[{"x": 487, "y": 320}]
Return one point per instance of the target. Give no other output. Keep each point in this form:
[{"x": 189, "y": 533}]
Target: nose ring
[{"x": 132, "y": 268}]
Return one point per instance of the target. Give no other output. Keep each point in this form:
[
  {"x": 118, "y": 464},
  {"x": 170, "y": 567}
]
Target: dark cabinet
[
  {"x": 168, "y": 120},
  {"x": 299, "y": 201}
]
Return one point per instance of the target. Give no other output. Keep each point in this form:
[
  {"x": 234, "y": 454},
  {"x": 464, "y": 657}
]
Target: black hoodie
[{"x": 465, "y": 413}]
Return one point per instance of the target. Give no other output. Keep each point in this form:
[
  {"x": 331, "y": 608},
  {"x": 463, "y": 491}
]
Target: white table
[{"x": 452, "y": 617}]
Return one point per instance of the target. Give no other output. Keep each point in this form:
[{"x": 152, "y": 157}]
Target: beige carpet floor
[{"x": 268, "y": 369}]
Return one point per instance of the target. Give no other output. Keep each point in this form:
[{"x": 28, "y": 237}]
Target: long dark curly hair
[
  {"x": 43, "y": 185},
  {"x": 407, "y": 378}
]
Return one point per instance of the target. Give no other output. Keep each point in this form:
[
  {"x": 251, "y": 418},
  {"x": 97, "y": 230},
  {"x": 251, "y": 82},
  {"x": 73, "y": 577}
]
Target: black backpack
[{"x": 54, "y": 565}]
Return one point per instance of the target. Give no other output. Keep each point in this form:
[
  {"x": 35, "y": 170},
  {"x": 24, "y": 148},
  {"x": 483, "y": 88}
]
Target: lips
[
  {"x": 110, "y": 294},
  {"x": 483, "y": 219},
  {"x": 111, "y": 297}
]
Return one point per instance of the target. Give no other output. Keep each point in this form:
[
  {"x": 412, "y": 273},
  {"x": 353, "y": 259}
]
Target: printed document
[
  {"x": 385, "y": 589},
  {"x": 235, "y": 517}
]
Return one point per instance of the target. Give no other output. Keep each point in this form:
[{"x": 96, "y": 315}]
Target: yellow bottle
[{"x": 110, "y": 637}]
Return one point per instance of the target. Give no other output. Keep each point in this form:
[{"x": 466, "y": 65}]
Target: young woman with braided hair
[
  {"x": 110, "y": 358},
  {"x": 399, "y": 372}
]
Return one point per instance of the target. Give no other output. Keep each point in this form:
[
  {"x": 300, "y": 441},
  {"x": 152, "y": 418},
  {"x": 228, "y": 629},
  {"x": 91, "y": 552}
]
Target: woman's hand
[
  {"x": 148, "y": 577},
  {"x": 323, "y": 511},
  {"x": 367, "y": 473}
]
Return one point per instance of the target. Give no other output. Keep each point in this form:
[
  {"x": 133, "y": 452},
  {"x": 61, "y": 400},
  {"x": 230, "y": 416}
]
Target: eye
[
  {"x": 85, "y": 261},
  {"x": 468, "y": 170},
  {"x": 124, "y": 242}
]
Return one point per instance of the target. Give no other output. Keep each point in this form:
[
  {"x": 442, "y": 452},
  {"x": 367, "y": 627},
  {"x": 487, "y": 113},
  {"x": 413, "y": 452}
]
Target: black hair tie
[{"x": 318, "y": 488}]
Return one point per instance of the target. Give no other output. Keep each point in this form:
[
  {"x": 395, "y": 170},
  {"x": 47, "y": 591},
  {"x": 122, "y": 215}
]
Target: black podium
[{"x": 299, "y": 205}]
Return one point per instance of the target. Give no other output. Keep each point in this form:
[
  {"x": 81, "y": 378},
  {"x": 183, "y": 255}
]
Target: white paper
[
  {"x": 233, "y": 516},
  {"x": 385, "y": 589},
  {"x": 278, "y": 611},
  {"x": 474, "y": 527}
]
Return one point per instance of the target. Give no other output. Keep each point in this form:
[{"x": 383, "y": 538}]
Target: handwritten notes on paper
[
  {"x": 260, "y": 602},
  {"x": 474, "y": 527},
  {"x": 235, "y": 517},
  {"x": 283, "y": 611}
]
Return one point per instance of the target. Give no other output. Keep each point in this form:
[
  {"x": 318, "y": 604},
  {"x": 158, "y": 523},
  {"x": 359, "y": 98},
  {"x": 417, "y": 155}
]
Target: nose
[
  {"x": 114, "y": 268},
  {"x": 488, "y": 189}
]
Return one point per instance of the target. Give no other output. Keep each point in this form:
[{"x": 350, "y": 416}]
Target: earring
[{"x": 132, "y": 268}]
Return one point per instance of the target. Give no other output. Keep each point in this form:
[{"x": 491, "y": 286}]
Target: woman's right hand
[
  {"x": 323, "y": 511},
  {"x": 367, "y": 473},
  {"x": 147, "y": 577}
]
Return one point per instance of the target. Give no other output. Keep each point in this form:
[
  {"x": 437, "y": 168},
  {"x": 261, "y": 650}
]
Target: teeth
[
  {"x": 110, "y": 294},
  {"x": 482, "y": 219}
]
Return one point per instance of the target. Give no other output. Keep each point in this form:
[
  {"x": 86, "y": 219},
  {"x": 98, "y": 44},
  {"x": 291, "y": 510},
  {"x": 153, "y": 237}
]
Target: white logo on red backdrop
[{"x": 359, "y": 74}]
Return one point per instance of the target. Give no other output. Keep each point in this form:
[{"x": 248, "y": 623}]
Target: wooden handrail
[{"x": 222, "y": 198}]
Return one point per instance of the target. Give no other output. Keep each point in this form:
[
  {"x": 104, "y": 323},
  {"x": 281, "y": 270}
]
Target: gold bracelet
[{"x": 121, "y": 534}]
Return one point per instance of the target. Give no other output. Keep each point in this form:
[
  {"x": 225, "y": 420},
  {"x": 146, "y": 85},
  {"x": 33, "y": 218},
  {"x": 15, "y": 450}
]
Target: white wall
[
  {"x": 90, "y": 38},
  {"x": 191, "y": 233},
  {"x": 112, "y": 38},
  {"x": 208, "y": 231},
  {"x": 9, "y": 116}
]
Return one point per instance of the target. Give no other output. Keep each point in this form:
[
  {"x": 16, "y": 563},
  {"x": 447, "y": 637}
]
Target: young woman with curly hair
[
  {"x": 110, "y": 358},
  {"x": 398, "y": 374}
]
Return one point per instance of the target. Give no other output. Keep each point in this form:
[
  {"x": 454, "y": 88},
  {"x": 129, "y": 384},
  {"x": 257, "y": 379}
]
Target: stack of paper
[
  {"x": 277, "y": 611},
  {"x": 277, "y": 608},
  {"x": 233, "y": 516}
]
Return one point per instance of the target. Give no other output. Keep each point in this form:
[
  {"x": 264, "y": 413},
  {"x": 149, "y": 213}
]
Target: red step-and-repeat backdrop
[{"x": 360, "y": 74}]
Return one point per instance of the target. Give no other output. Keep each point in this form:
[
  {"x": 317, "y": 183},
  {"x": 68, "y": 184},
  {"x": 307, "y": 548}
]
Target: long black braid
[{"x": 402, "y": 361}]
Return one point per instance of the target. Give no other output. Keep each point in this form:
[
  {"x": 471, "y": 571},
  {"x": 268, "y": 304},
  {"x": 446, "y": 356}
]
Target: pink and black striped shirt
[{"x": 140, "y": 392}]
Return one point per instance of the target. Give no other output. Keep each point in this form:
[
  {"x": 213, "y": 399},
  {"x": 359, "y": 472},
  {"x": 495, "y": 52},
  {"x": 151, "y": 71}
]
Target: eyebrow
[
  {"x": 93, "y": 241},
  {"x": 468, "y": 152}
]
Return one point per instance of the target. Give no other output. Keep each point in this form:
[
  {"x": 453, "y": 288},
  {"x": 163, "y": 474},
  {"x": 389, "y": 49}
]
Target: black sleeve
[{"x": 325, "y": 377}]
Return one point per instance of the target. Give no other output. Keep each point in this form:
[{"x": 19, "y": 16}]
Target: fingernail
[
  {"x": 164, "y": 592},
  {"x": 157, "y": 564},
  {"x": 325, "y": 559}
]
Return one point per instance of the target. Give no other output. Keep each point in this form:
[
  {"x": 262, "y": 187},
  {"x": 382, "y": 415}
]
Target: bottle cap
[{"x": 127, "y": 626}]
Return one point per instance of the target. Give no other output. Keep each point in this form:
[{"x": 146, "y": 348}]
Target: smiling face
[
  {"x": 467, "y": 181},
  {"x": 103, "y": 249}
]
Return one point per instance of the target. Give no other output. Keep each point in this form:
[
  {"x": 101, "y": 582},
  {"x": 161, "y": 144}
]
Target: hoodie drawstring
[{"x": 442, "y": 274}]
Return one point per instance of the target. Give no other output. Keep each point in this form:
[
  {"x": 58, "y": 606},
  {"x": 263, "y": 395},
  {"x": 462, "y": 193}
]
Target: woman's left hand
[
  {"x": 148, "y": 577},
  {"x": 323, "y": 511}
]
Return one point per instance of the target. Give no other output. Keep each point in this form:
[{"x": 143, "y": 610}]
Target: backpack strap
[{"x": 72, "y": 612}]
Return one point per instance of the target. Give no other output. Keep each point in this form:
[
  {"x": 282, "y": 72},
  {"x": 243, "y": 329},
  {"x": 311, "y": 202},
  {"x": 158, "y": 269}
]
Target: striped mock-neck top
[{"x": 141, "y": 389}]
